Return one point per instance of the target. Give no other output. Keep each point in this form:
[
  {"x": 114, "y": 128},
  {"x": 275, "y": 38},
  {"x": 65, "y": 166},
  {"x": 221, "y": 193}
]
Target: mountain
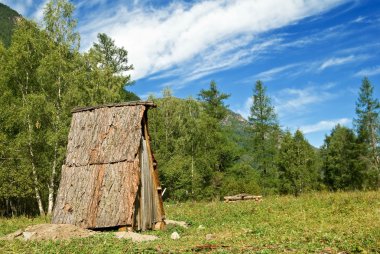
[{"x": 8, "y": 19}]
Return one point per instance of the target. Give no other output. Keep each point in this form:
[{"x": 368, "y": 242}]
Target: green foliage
[
  {"x": 213, "y": 101},
  {"x": 203, "y": 149},
  {"x": 45, "y": 77},
  {"x": 297, "y": 164},
  {"x": 8, "y": 20},
  {"x": 191, "y": 145},
  {"x": 343, "y": 164},
  {"x": 262, "y": 114},
  {"x": 367, "y": 125},
  {"x": 60, "y": 24},
  {"x": 265, "y": 138}
]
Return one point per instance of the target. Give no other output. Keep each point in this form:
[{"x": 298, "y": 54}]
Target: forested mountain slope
[{"x": 8, "y": 18}]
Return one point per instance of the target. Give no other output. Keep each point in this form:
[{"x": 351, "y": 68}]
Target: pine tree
[
  {"x": 262, "y": 116},
  {"x": 213, "y": 101},
  {"x": 367, "y": 122},
  {"x": 265, "y": 137},
  {"x": 343, "y": 166},
  {"x": 109, "y": 65}
]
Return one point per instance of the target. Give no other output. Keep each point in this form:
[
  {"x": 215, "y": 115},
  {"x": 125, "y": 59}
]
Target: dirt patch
[{"x": 49, "y": 232}]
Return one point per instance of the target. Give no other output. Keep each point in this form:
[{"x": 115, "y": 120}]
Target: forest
[{"x": 204, "y": 150}]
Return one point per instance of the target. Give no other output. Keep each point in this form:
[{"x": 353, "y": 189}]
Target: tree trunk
[
  {"x": 54, "y": 166},
  {"x": 34, "y": 172},
  {"x": 52, "y": 179}
]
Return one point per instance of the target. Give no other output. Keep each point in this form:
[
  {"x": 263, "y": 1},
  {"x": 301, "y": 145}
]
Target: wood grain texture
[
  {"x": 159, "y": 214},
  {"x": 97, "y": 196},
  {"x": 104, "y": 135}
]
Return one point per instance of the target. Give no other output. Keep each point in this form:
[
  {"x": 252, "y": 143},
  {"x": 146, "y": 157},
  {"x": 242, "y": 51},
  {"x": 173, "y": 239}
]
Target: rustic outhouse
[{"x": 110, "y": 176}]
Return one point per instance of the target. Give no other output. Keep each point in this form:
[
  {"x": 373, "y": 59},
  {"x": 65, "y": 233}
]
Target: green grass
[{"x": 312, "y": 223}]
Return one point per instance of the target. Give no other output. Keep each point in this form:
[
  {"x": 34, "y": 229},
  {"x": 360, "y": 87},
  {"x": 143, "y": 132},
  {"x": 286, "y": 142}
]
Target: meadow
[{"x": 345, "y": 222}]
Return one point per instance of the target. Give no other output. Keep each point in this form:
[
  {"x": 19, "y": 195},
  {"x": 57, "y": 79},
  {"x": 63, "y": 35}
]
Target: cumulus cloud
[
  {"x": 197, "y": 38},
  {"x": 324, "y": 125}
]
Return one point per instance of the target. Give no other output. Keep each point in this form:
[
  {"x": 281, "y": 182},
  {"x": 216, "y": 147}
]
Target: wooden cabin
[{"x": 110, "y": 176}]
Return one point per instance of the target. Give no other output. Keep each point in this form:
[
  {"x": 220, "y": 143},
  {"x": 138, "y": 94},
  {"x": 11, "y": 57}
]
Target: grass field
[{"x": 312, "y": 223}]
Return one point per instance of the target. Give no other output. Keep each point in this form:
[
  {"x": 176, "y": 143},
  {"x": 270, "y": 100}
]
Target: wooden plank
[
  {"x": 159, "y": 208},
  {"x": 147, "y": 198}
]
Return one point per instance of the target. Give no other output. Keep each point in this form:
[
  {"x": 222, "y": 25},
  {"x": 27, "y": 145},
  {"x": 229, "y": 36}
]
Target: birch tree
[{"x": 56, "y": 66}]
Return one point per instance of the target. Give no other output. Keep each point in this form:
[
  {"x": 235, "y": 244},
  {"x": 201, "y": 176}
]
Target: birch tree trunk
[{"x": 34, "y": 171}]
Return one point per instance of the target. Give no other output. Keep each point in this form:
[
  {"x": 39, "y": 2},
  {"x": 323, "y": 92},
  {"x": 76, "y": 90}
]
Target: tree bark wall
[{"x": 108, "y": 178}]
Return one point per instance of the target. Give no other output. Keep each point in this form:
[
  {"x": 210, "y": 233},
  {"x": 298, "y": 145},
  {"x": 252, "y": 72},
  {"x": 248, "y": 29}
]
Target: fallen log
[{"x": 242, "y": 197}]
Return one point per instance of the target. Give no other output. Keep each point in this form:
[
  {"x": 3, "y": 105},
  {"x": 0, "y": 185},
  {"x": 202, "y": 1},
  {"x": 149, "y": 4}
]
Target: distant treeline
[{"x": 203, "y": 150}]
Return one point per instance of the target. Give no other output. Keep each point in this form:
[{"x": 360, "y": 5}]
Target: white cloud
[
  {"x": 273, "y": 73},
  {"x": 198, "y": 39},
  {"x": 324, "y": 125},
  {"x": 296, "y": 101},
  {"x": 336, "y": 61},
  {"x": 295, "y": 69},
  {"x": 369, "y": 72}
]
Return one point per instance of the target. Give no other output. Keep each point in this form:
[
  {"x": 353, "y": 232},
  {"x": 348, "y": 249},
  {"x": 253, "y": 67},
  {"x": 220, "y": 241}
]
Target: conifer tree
[
  {"x": 343, "y": 166},
  {"x": 367, "y": 122},
  {"x": 265, "y": 136},
  {"x": 213, "y": 101},
  {"x": 109, "y": 77}
]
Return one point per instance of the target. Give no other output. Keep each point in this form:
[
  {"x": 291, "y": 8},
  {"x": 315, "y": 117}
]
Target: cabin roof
[{"x": 149, "y": 104}]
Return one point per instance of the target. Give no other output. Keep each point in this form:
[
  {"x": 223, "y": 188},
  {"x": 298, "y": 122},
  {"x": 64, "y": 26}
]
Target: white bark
[
  {"x": 34, "y": 171},
  {"x": 52, "y": 179}
]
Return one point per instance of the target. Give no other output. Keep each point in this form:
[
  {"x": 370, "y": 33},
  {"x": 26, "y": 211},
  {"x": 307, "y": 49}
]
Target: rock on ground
[
  {"x": 177, "y": 223},
  {"x": 50, "y": 232},
  {"x": 175, "y": 236},
  {"x": 135, "y": 237}
]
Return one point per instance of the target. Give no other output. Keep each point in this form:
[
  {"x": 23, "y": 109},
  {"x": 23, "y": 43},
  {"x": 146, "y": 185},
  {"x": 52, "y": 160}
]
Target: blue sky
[{"x": 311, "y": 54}]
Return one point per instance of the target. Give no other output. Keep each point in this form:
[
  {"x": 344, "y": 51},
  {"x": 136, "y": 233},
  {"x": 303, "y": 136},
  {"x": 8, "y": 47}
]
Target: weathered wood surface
[
  {"x": 105, "y": 135},
  {"x": 110, "y": 177},
  {"x": 156, "y": 190},
  {"x": 242, "y": 197},
  {"x": 147, "y": 191},
  {"x": 96, "y": 196}
]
